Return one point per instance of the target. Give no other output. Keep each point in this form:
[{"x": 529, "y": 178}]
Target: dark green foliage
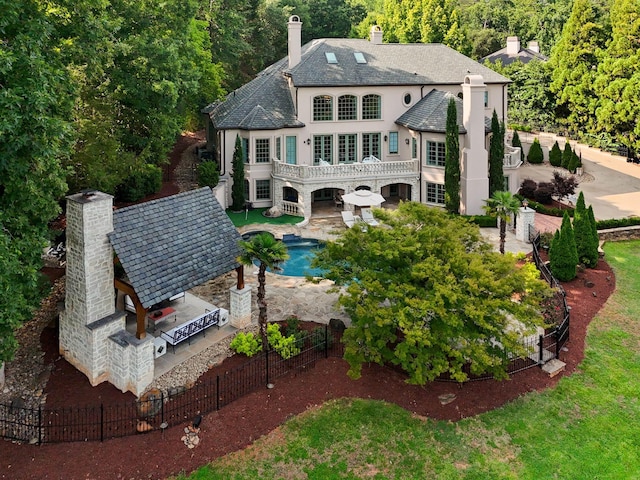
[
  {"x": 320, "y": 340},
  {"x": 554, "y": 212},
  {"x": 488, "y": 221},
  {"x": 535, "y": 154},
  {"x": 146, "y": 182},
  {"x": 567, "y": 155},
  {"x": 617, "y": 222},
  {"x": 452, "y": 161},
  {"x": 208, "y": 174},
  {"x": 573, "y": 163},
  {"x": 555, "y": 155},
  {"x": 595, "y": 238},
  {"x": 237, "y": 173},
  {"x": 563, "y": 254},
  {"x": 515, "y": 142},
  {"x": 584, "y": 232},
  {"x": 496, "y": 156}
]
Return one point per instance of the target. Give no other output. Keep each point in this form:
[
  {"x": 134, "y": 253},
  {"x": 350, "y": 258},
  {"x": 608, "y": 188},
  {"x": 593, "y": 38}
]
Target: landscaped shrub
[
  {"x": 563, "y": 254},
  {"x": 555, "y": 212},
  {"x": 528, "y": 188},
  {"x": 208, "y": 174},
  {"x": 145, "y": 182},
  {"x": 246, "y": 343},
  {"x": 291, "y": 325},
  {"x": 319, "y": 337},
  {"x": 617, "y": 222},
  {"x": 555, "y": 155},
  {"x": 584, "y": 233},
  {"x": 567, "y": 154},
  {"x": 482, "y": 220},
  {"x": 544, "y": 192},
  {"x": 574, "y": 163},
  {"x": 286, "y": 347},
  {"x": 535, "y": 154},
  {"x": 515, "y": 142}
]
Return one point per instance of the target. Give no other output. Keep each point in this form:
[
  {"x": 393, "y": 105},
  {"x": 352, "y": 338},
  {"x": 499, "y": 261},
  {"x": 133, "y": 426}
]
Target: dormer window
[
  {"x": 359, "y": 57},
  {"x": 331, "y": 57}
]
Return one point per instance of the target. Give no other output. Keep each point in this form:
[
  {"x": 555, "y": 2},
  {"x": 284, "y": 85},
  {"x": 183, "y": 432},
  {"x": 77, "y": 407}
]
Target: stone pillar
[
  {"x": 526, "y": 221},
  {"x": 474, "y": 174},
  {"x": 240, "y": 307}
]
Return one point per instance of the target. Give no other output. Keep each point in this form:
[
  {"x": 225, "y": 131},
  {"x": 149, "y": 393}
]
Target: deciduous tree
[{"x": 429, "y": 295}]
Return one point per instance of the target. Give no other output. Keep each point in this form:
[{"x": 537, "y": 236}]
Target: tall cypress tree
[
  {"x": 452, "y": 161},
  {"x": 496, "y": 156},
  {"x": 582, "y": 233},
  {"x": 595, "y": 247},
  {"x": 515, "y": 142},
  {"x": 564, "y": 258},
  {"x": 237, "y": 173},
  {"x": 567, "y": 155}
]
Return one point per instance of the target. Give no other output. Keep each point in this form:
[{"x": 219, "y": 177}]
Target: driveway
[{"x": 609, "y": 183}]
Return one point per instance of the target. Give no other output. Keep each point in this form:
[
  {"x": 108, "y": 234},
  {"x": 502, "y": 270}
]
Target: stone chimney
[
  {"x": 513, "y": 45},
  {"x": 533, "y": 46},
  {"x": 375, "y": 35},
  {"x": 474, "y": 178},
  {"x": 294, "y": 40}
]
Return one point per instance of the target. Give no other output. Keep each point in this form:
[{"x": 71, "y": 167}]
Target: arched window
[
  {"x": 371, "y": 107},
  {"x": 347, "y": 107},
  {"x": 322, "y": 108}
]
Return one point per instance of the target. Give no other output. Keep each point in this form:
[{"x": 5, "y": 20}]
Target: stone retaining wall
[{"x": 619, "y": 234}]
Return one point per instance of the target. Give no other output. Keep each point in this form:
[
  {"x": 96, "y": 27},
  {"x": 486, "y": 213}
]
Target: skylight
[
  {"x": 359, "y": 57},
  {"x": 331, "y": 57}
]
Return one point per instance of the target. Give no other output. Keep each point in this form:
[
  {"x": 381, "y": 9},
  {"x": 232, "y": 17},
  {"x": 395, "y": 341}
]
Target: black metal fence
[{"x": 101, "y": 422}]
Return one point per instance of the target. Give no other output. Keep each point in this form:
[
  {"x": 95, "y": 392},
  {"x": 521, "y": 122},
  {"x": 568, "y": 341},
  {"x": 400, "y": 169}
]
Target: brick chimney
[
  {"x": 294, "y": 40},
  {"x": 375, "y": 35},
  {"x": 513, "y": 45}
]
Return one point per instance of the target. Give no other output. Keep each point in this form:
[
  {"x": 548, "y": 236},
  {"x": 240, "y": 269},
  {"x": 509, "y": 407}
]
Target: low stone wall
[{"x": 619, "y": 234}]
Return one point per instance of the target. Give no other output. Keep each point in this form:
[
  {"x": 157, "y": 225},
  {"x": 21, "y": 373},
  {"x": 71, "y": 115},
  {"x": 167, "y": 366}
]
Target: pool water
[{"x": 300, "y": 250}]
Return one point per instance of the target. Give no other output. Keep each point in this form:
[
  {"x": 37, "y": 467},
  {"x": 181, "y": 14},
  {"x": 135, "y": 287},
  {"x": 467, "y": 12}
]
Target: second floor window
[
  {"x": 393, "y": 142},
  {"x": 322, "y": 149},
  {"x": 347, "y": 107},
  {"x": 322, "y": 108},
  {"x": 291, "y": 149},
  {"x": 245, "y": 150},
  {"x": 371, "y": 107},
  {"x": 262, "y": 150},
  {"x": 435, "y": 154},
  {"x": 278, "y": 148}
]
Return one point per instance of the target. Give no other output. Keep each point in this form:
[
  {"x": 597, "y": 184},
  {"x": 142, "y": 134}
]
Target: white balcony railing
[
  {"x": 512, "y": 156},
  {"x": 346, "y": 170}
]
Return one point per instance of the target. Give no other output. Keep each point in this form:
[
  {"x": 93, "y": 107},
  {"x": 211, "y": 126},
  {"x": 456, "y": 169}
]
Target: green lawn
[
  {"x": 240, "y": 219},
  {"x": 588, "y": 427}
]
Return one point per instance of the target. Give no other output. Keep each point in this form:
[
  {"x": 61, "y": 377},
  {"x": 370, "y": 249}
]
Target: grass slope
[{"x": 585, "y": 428}]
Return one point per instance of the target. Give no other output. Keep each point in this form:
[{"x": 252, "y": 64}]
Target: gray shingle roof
[
  {"x": 265, "y": 103},
  {"x": 525, "y": 55},
  {"x": 430, "y": 114},
  {"x": 387, "y": 64},
  {"x": 169, "y": 245}
]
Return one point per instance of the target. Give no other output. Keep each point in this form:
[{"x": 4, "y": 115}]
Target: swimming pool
[{"x": 300, "y": 250}]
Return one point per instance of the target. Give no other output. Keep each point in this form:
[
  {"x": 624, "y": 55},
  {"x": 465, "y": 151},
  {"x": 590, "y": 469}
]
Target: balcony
[
  {"x": 512, "y": 157},
  {"x": 345, "y": 171}
]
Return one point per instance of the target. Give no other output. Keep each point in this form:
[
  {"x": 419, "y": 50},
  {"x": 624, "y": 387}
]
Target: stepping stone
[{"x": 554, "y": 367}]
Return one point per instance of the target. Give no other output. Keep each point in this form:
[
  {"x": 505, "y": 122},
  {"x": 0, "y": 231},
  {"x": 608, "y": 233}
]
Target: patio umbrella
[{"x": 363, "y": 198}]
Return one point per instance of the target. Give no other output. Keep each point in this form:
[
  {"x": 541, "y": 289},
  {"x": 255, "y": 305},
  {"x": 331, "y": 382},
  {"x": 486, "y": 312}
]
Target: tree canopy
[{"x": 428, "y": 294}]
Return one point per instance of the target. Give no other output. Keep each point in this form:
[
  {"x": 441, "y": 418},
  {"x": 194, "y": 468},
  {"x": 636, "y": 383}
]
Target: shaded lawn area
[
  {"x": 240, "y": 219},
  {"x": 586, "y": 427}
]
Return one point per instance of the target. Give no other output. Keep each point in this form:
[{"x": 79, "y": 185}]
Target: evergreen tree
[
  {"x": 584, "y": 233},
  {"x": 573, "y": 61},
  {"x": 565, "y": 255},
  {"x": 515, "y": 142},
  {"x": 567, "y": 155},
  {"x": 618, "y": 75},
  {"x": 555, "y": 155},
  {"x": 496, "y": 156},
  {"x": 452, "y": 161},
  {"x": 594, "y": 235},
  {"x": 237, "y": 173},
  {"x": 535, "y": 154},
  {"x": 573, "y": 163}
]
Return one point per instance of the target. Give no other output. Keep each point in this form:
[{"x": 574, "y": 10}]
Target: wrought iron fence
[{"x": 101, "y": 422}]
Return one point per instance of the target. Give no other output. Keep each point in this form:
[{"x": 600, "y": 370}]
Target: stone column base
[{"x": 240, "y": 307}]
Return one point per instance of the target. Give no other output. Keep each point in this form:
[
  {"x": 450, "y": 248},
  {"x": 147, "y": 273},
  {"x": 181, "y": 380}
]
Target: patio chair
[
  {"x": 349, "y": 218},
  {"x": 367, "y": 216}
]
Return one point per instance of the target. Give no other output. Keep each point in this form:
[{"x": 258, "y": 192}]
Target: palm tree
[
  {"x": 269, "y": 253},
  {"x": 502, "y": 205}
]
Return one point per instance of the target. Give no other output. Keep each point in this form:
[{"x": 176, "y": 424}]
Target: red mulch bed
[{"x": 160, "y": 454}]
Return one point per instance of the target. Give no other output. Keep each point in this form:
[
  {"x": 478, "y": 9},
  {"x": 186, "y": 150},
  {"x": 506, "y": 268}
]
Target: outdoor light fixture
[
  {"x": 406, "y": 140},
  {"x": 385, "y": 138},
  {"x": 307, "y": 141},
  {"x": 525, "y": 203}
]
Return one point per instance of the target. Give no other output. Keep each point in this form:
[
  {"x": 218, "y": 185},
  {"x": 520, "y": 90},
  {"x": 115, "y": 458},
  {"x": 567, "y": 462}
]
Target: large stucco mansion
[{"x": 337, "y": 115}]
